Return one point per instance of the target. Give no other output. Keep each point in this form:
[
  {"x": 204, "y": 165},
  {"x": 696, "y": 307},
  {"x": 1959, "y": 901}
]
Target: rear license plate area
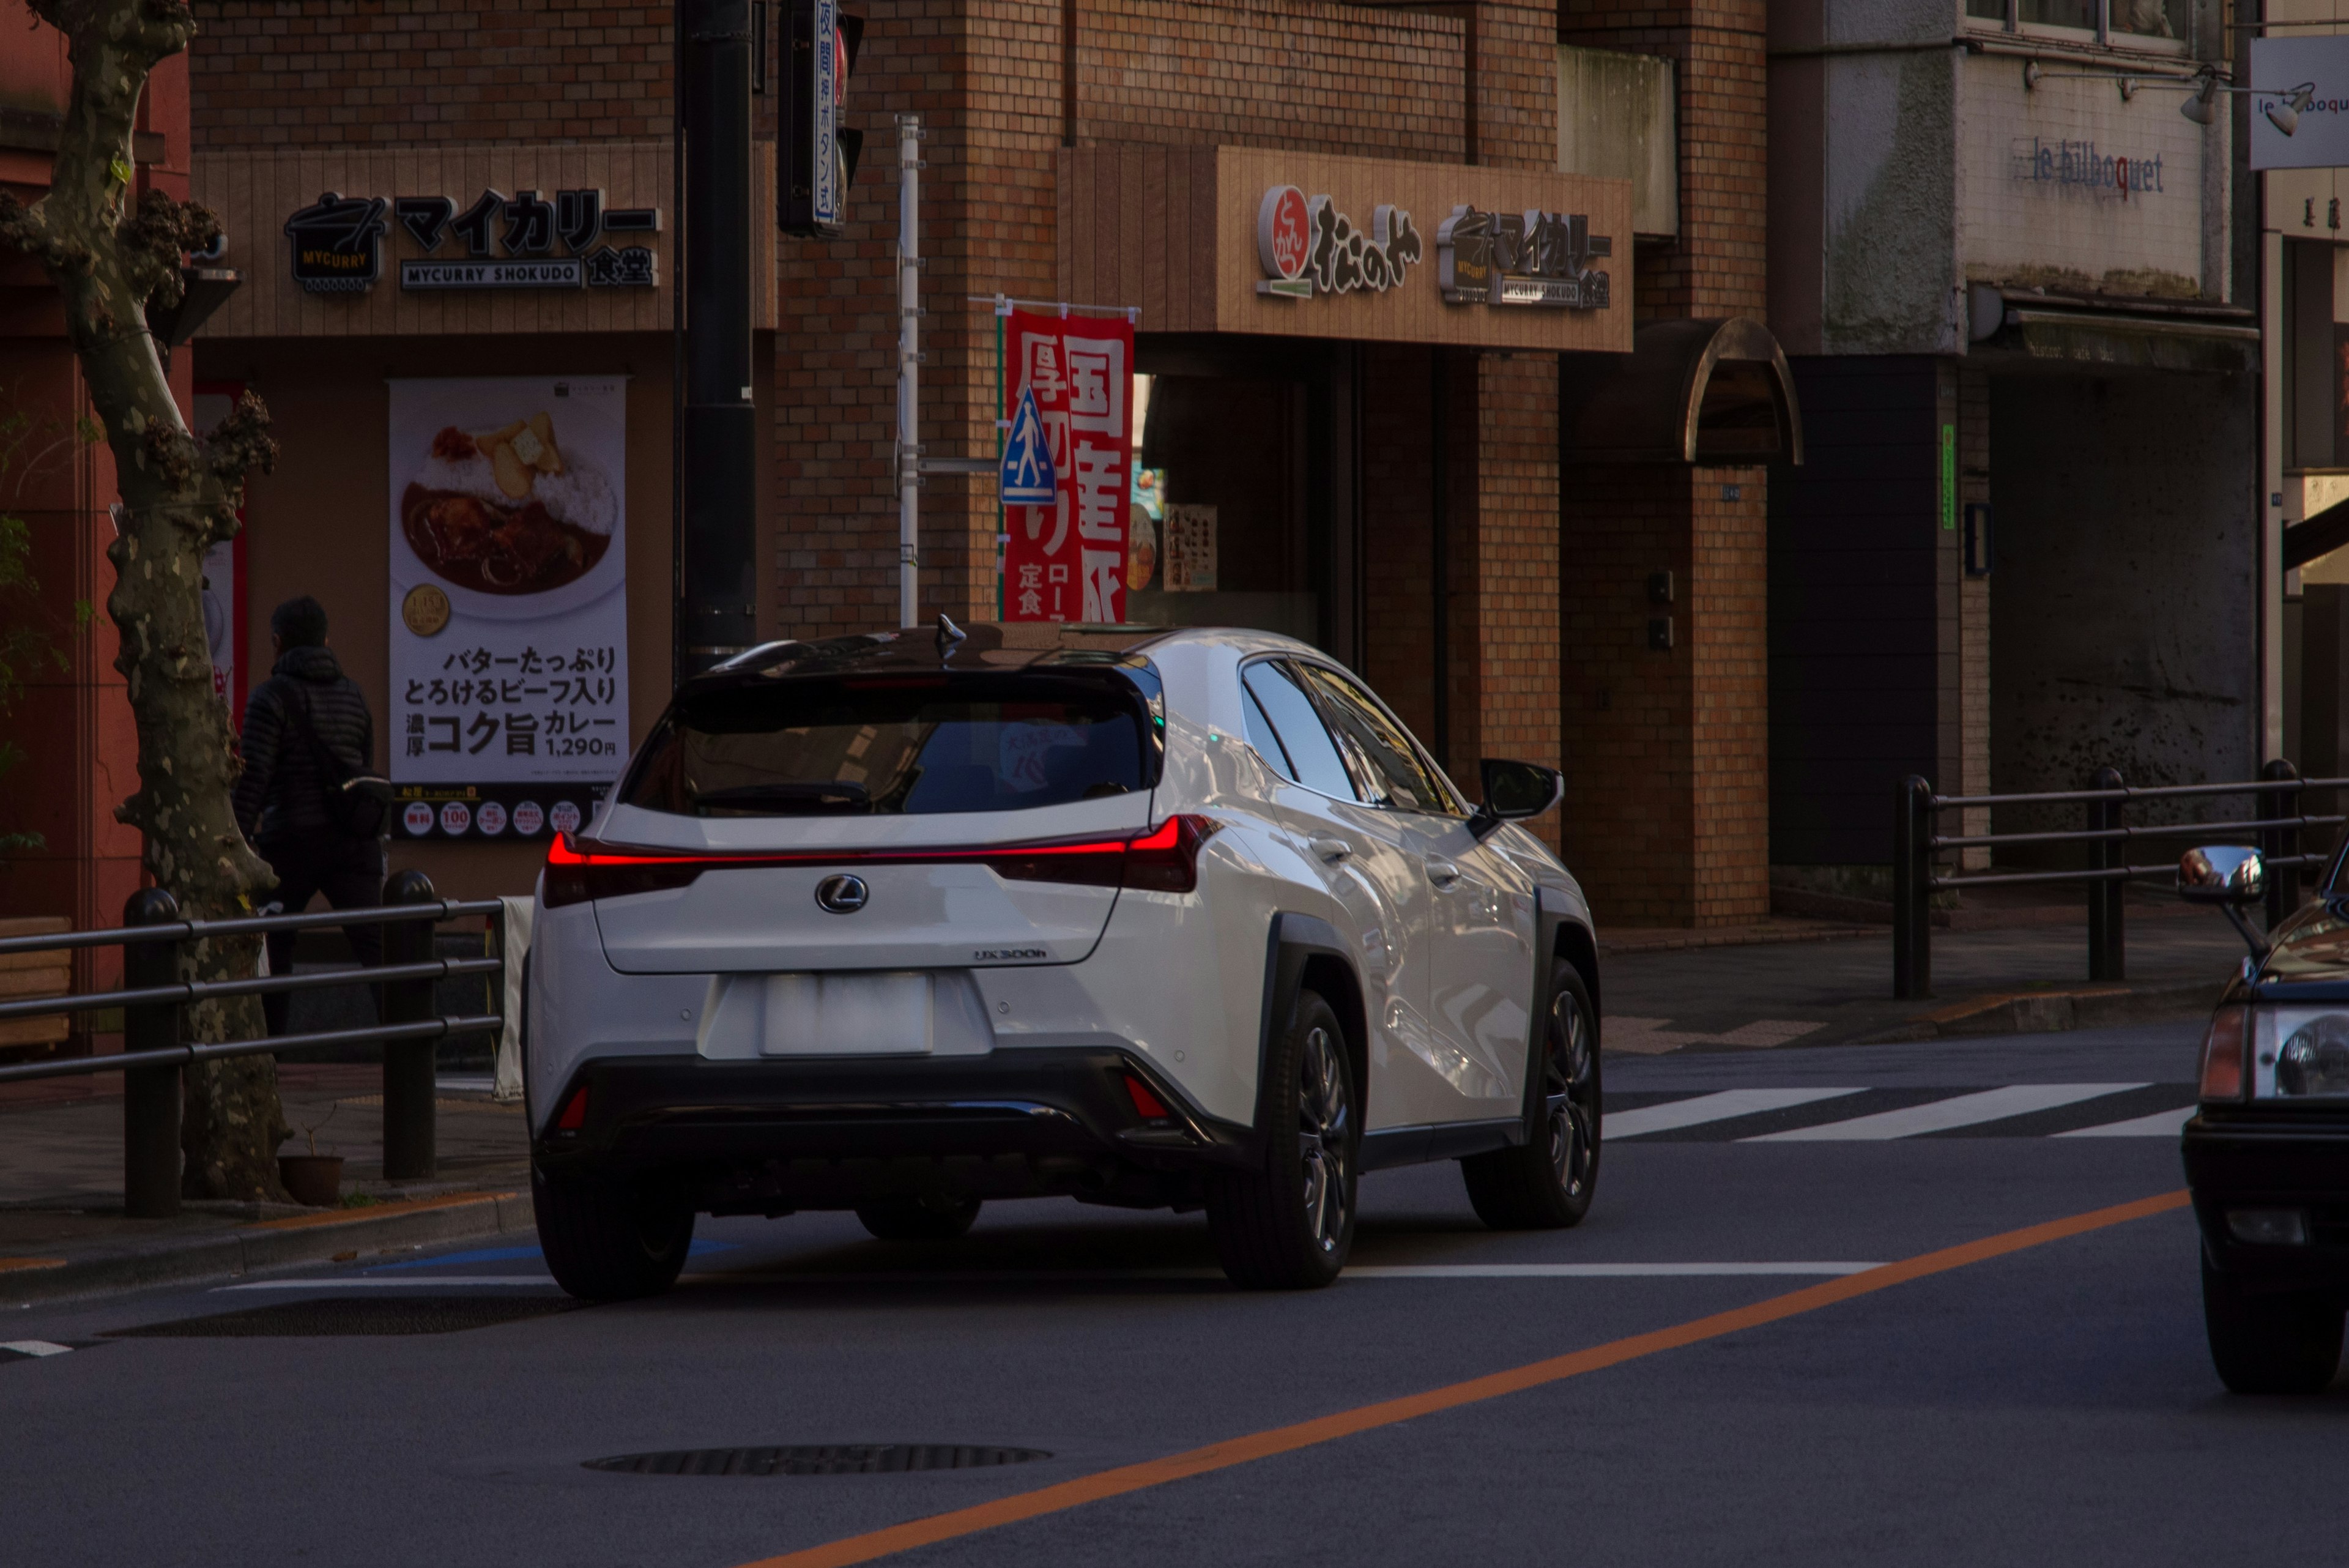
[{"x": 850, "y": 1015}]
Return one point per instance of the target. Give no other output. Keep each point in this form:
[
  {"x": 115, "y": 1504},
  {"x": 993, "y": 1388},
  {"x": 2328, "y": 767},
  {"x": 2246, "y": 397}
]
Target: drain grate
[
  {"x": 355, "y": 1316},
  {"x": 817, "y": 1459}
]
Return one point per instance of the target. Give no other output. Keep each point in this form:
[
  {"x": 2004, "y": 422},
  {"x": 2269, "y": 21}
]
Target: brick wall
[
  {"x": 1717, "y": 265},
  {"x": 1511, "y": 608},
  {"x": 270, "y": 73},
  {"x": 1727, "y": 651}
]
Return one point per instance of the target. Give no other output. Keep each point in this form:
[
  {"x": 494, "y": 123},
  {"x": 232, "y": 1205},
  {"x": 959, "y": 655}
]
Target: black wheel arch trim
[
  {"x": 1295, "y": 945},
  {"x": 1558, "y": 936}
]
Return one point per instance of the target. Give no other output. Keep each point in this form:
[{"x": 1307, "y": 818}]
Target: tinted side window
[
  {"x": 1260, "y": 735},
  {"x": 1379, "y": 744},
  {"x": 1297, "y": 729}
]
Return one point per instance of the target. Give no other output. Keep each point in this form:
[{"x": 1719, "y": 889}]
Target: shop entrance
[{"x": 1246, "y": 483}]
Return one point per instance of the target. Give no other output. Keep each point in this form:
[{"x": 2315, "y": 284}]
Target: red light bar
[{"x": 1164, "y": 859}]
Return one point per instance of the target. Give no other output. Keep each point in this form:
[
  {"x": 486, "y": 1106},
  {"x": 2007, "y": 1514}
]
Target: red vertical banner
[{"x": 1067, "y": 562}]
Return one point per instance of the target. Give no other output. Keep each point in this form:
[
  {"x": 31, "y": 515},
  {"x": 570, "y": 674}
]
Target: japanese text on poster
[
  {"x": 509, "y": 601},
  {"x": 1067, "y": 562}
]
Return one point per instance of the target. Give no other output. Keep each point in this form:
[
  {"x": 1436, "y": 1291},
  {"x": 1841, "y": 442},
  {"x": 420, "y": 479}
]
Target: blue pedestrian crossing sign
[{"x": 1028, "y": 477}]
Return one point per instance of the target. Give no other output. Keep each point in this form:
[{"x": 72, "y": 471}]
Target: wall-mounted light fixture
[{"x": 2202, "y": 105}]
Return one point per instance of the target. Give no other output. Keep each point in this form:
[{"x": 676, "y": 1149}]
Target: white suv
[{"x": 903, "y": 922}]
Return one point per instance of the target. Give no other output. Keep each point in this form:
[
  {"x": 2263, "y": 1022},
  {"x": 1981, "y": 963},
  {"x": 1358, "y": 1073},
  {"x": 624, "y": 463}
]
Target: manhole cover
[
  {"x": 817, "y": 1459},
  {"x": 355, "y": 1315}
]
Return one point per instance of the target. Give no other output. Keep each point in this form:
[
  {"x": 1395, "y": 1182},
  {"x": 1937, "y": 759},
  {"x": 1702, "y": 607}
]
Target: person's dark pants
[{"x": 349, "y": 872}]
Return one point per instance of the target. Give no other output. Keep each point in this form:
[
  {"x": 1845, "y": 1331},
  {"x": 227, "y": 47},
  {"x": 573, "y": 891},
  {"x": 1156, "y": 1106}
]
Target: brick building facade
[{"x": 1449, "y": 531}]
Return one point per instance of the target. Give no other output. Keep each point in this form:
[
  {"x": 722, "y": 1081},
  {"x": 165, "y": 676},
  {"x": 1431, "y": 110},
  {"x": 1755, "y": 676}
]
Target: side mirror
[
  {"x": 2221, "y": 874},
  {"x": 1513, "y": 792}
]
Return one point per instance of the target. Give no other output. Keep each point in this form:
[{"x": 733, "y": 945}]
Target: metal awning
[
  {"x": 1714, "y": 390},
  {"x": 2087, "y": 331}
]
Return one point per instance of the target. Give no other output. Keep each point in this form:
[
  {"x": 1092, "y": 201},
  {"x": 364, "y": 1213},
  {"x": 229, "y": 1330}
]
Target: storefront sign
[
  {"x": 337, "y": 244},
  {"x": 1066, "y": 562},
  {"x": 509, "y": 601},
  {"x": 339, "y": 241},
  {"x": 1309, "y": 246},
  {"x": 1521, "y": 258},
  {"x": 2319, "y": 131}
]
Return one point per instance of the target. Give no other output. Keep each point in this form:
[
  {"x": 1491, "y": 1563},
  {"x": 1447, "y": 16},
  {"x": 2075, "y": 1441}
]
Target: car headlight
[{"x": 2313, "y": 1059}]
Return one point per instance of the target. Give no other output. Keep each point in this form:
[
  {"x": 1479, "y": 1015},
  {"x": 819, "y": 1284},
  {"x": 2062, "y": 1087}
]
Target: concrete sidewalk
[
  {"x": 63, "y": 1232},
  {"x": 1836, "y": 988}
]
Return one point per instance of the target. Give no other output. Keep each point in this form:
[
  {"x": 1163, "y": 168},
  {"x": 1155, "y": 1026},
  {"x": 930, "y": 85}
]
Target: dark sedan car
[{"x": 2267, "y": 1156}]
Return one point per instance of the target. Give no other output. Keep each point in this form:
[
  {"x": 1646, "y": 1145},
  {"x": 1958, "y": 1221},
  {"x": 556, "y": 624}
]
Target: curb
[
  {"x": 2052, "y": 1011},
  {"x": 264, "y": 1246}
]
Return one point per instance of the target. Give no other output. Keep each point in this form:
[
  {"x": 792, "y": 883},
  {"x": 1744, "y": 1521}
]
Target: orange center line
[{"x": 1110, "y": 1483}]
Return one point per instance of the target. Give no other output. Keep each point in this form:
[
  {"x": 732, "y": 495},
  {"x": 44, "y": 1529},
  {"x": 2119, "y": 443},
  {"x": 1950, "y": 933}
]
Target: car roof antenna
[{"x": 948, "y": 635}]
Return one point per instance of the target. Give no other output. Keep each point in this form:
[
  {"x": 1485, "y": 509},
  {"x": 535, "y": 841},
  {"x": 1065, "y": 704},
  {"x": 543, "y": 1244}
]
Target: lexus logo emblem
[{"x": 843, "y": 895}]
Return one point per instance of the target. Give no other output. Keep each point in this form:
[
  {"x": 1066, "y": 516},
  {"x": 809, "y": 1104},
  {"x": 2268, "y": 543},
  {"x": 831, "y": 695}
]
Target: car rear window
[{"x": 915, "y": 746}]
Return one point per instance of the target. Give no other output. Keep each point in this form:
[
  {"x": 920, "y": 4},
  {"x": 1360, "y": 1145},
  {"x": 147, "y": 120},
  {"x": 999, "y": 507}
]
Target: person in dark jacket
[{"x": 281, "y": 797}]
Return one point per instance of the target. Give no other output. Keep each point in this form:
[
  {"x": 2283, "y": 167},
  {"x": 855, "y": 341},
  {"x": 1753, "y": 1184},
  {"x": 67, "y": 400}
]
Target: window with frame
[{"x": 1386, "y": 762}]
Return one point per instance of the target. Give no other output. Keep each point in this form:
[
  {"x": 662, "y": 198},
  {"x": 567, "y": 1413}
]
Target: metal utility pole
[
  {"x": 909, "y": 368},
  {"x": 718, "y": 452}
]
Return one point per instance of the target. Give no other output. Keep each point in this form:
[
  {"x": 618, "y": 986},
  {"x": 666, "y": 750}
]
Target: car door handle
[
  {"x": 1443, "y": 873},
  {"x": 1329, "y": 849}
]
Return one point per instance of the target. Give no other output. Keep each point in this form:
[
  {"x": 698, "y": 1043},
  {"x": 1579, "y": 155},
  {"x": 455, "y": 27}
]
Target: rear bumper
[
  {"x": 769, "y": 1137},
  {"x": 2249, "y": 1161}
]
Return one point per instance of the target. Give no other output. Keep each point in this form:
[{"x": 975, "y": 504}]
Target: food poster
[
  {"x": 509, "y": 603},
  {"x": 1067, "y": 562}
]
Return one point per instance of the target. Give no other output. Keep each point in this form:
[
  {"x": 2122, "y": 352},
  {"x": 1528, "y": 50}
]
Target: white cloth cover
[{"x": 516, "y": 948}]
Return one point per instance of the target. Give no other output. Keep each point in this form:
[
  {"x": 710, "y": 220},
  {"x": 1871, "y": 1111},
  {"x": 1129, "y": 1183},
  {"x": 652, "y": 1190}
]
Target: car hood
[{"x": 2310, "y": 948}]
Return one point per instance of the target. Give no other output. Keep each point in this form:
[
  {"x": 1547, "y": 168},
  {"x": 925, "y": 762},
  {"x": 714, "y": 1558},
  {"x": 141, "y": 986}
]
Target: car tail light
[
  {"x": 574, "y": 1112},
  {"x": 1166, "y": 860},
  {"x": 2222, "y": 1054},
  {"x": 575, "y": 875},
  {"x": 1152, "y": 1107}
]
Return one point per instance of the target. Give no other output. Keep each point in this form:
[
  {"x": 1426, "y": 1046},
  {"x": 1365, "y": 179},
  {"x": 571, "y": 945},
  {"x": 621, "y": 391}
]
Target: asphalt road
[{"x": 2051, "y": 1404}]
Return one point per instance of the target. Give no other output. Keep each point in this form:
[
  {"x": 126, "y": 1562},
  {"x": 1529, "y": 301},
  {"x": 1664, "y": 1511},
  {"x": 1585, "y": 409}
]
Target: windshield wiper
[{"x": 785, "y": 799}]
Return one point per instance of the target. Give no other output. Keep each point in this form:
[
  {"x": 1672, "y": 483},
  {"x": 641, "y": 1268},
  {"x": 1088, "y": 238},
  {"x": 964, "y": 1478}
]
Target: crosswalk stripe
[
  {"x": 34, "y": 1346},
  {"x": 2161, "y": 1124},
  {"x": 1939, "y": 1116},
  {"x": 1715, "y": 1107}
]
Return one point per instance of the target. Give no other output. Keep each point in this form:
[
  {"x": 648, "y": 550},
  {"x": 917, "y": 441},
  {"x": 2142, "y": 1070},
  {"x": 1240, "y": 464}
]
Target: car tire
[
  {"x": 607, "y": 1241},
  {"x": 2278, "y": 1342},
  {"x": 1290, "y": 1226},
  {"x": 1547, "y": 1183},
  {"x": 917, "y": 1219}
]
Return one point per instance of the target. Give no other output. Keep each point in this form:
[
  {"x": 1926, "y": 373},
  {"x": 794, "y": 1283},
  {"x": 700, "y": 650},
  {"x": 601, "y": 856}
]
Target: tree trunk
[{"x": 107, "y": 258}]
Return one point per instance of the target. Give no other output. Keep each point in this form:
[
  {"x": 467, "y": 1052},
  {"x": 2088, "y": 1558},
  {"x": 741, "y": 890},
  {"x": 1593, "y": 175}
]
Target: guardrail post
[
  {"x": 2281, "y": 842},
  {"x": 150, "y": 1096},
  {"x": 1912, "y": 889},
  {"x": 408, "y": 1142},
  {"x": 2107, "y": 943}
]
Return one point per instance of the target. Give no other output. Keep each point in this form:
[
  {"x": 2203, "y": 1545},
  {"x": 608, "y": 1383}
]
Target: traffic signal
[{"x": 819, "y": 153}]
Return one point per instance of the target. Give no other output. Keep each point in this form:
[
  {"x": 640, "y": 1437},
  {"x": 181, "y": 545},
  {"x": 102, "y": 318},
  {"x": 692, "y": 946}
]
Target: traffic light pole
[
  {"x": 718, "y": 455},
  {"x": 909, "y": 368}
]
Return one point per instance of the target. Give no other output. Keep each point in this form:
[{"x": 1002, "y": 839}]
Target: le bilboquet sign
[
  {"x": 501, "y": 241},
  {"x": 1306, "y": 246}
]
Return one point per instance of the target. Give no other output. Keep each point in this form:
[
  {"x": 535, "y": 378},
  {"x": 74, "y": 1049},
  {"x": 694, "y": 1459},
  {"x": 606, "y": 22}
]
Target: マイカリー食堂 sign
[{"x": 507, "y": 242}]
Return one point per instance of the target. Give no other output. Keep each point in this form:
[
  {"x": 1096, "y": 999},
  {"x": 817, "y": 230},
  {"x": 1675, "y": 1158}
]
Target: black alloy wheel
[
  {"x": 609, "y": 1241},
  {"x": 1547, "y": 1183},
  {"x": 1290, "y": 1225}
]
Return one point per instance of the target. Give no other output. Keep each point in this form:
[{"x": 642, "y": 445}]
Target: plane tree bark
[{"x": 108, "y": 255}]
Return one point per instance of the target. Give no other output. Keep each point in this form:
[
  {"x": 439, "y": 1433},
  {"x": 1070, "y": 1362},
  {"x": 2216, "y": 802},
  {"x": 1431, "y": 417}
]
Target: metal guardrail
[
  {"x": 1916, "y": 847},
  {"x": 152, "y": 936}
]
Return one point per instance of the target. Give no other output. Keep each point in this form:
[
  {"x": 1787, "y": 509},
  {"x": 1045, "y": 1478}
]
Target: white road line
[
  {"x": 1705, "y": 1108},
  {"x": 2161, "y": 1124},
  {"x": 1937, "y": 1116},
  {"x": 34, "y": 1347},
  {"x": 375, "y": 1282}
]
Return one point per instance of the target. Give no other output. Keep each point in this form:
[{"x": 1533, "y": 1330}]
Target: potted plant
[{"x": 313, "y": 1179}]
